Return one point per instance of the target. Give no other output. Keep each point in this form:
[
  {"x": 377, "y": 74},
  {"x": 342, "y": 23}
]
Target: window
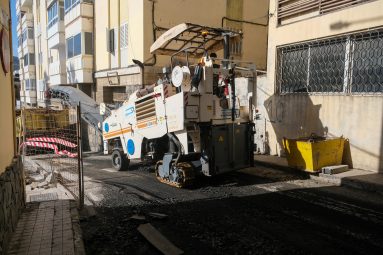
[
  {"x": 28, "y": 33},
  {"x": 30, "y": 84},
  {"x": 124, "y": 36},
  {"x": 367, "y": 68},
  {"x": 326, "y": 67},
  {"x": 42, "y": 86},
  {"x": 61, "y": 7},
  {"x": 70, "y": 4},
  {"x": 52, "y": 14},
  {"x": 69, "y": 44},
  {"x": 88, "y": 43},
  {"x": 77, "y": 45},
  {"x": 235, "y": 47},
  {"x": 73, "y": 46},
  {"x": 20, "y": 40},
  {"x": 26, "y": 62},
  {"x": 25, "y": 35},
  {"x": 29, "y": 59},
  {"x": 20, "y": 16},
  {"x": 346, "y": 64},
  {"x": 40, "y": 56},
  {"x": 38, "y": 11},
  {"x": 294, "y": 63},
  {"x": 110, "y": 44}
]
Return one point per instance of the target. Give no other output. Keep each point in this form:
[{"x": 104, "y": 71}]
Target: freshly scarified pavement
[{"x": 252, "y": 211}]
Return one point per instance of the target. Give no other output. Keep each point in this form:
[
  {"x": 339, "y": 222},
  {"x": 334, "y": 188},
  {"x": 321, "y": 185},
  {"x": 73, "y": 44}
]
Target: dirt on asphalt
[{"x": 254, "y": 211}]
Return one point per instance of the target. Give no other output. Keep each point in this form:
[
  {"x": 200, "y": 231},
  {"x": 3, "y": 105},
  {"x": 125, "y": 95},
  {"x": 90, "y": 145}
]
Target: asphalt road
[{"x": 252, "y": 211}]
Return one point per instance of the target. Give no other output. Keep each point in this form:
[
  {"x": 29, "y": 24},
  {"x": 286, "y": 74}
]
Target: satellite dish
[
  {"x": 181, "y": 77},
  {"x": 177, "y": 76}
]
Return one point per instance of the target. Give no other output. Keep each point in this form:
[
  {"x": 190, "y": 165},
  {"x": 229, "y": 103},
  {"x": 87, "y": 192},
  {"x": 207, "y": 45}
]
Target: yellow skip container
[{"x": 313, "y": 153}]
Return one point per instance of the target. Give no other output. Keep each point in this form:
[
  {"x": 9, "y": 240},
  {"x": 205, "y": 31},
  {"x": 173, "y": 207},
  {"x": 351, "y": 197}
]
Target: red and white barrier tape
[
  {"x": 50, "y": 146},
  {"x": 166, "y": 91},
  {"x": 52, "y": 140}
]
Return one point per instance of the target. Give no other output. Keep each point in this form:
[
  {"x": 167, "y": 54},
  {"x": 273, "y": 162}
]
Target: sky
[{"x": 14, "y": 27}]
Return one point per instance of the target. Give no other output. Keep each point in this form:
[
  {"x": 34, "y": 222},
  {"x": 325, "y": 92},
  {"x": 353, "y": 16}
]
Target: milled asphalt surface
[{"x": 253, "y": 211}]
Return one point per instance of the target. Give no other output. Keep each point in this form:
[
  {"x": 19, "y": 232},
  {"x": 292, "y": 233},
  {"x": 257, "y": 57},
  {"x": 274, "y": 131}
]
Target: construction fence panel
[{"x": 50, "y": 146}]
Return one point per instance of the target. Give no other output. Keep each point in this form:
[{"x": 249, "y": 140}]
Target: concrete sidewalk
[
  {"x": 50, "y": 227},
  {"x": 354, "y": 178}
]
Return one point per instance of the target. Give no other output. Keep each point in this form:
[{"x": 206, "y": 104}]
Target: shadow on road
[{"x": 300, "y": 221}]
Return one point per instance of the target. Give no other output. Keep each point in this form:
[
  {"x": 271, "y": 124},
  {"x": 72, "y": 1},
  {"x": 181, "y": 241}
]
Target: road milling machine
[{"x": 197, "y": 119}]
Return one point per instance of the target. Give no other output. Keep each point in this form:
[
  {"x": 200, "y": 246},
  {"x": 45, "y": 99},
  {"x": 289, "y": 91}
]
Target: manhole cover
[{"x": 44, "y": 197}]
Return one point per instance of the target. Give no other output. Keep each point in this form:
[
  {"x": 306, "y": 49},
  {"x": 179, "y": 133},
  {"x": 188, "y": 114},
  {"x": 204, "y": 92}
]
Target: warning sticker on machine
[{"x": 226, "y": 113}]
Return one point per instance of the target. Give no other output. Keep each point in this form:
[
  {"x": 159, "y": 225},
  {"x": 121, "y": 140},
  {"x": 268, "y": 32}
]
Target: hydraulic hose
[{"x": 173, "y": 138}]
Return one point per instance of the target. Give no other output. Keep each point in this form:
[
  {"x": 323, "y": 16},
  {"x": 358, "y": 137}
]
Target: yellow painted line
[
  {"x": 145, "y": 124},
  {"x": 146, "y": 120},
  {"x": 115, "y": 133},
  {"x": 141, "y": 124}
]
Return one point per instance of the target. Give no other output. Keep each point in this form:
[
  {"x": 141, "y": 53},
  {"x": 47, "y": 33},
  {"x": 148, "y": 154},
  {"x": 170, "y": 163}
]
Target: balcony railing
[{"x": 294, "y": 8}]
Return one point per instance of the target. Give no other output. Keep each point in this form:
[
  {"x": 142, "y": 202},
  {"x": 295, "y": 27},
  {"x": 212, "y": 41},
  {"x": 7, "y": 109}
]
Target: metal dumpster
[{"x": 312, "y": 153}]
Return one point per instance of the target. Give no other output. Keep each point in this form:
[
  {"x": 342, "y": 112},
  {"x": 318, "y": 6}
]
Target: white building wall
[{"x": 356, "y": 117}]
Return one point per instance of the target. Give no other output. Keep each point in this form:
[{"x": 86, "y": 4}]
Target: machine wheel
[{"x": 119, "y": 160}]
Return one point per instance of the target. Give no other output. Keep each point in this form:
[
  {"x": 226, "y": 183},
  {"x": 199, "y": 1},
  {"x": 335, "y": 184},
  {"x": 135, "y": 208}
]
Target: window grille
[
  {"x": 345, "y": 64},
  {"x": 124, "y": 36}
]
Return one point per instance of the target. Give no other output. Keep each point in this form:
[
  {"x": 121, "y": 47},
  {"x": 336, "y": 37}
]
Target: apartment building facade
[
  {"x": 55, "y": 47},
  {"x": 125, "y": 30},
  {"x": 325, "y": 76},
  {"x": 26, "y": 52}
]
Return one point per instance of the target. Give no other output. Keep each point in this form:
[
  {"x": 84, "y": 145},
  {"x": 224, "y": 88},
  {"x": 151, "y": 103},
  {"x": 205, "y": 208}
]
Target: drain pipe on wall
[
  {"x": 243, "y": 21},
  {"x": 154, "y": 29},
  {"x": 94, "y": 87},
  {"x": 142, "y": 67}
]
